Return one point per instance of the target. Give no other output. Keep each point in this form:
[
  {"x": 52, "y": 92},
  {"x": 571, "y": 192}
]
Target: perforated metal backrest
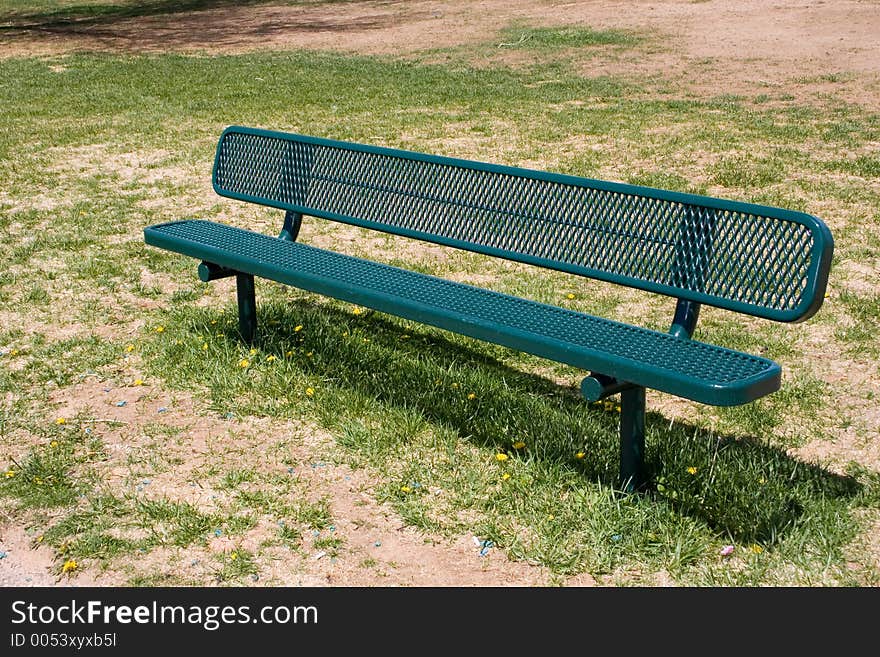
[{"x": 762, "y": 261}]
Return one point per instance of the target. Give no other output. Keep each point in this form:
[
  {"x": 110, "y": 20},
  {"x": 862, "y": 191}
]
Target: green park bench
[{"x": 765, "y": 262}]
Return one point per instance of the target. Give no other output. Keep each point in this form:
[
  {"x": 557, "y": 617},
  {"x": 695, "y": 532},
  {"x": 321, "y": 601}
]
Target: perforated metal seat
[
  {"x": 755, "y": 260},
  {"x": 688, "y": 368}
]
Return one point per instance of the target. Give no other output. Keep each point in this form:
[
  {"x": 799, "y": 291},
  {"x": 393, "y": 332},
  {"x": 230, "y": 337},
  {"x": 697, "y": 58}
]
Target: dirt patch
[
  {"x": 377, "y": 548},
  {"x": 791, "y": 49},
  {"x": 25, "y": 562}
]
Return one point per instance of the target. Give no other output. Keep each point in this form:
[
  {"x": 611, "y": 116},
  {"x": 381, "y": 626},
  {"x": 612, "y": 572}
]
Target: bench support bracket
[
  {"x": 292, "y": 223},
  {"x": 599, "y": 386},
  {"x": 685, "y": 321},
  {"x": 208, "y": 271},
  {"x": 632, "y": 439},
  {"x": 247, "y": 306}
]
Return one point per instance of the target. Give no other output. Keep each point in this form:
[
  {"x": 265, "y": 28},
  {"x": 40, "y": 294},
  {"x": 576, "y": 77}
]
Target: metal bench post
[
  {"x": 750, "y": 259},
  {"x": 247, "y": 306},
  {"x": 632, "y": 439},
  {"x": 292, "y": 223}
]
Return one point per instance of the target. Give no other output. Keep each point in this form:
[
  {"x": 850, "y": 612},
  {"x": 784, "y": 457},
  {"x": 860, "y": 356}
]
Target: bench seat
[{"x": 688, "y": 368}]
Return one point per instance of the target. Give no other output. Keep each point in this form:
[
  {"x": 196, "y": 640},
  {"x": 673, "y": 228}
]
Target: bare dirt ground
[
  {"x": 378, "y": 548},
  {"x": 716, "y": 46},
  {"x": 712, "y": 47}
]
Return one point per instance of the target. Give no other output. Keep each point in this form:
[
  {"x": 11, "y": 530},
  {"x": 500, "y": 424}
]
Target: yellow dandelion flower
[
  {"x": 358, "y": 311},
  {"x": 405, "y": 489},
  {"x": 10, "y": 474},
  {"x": 129, "y": 348},
  {"x": 505, "y": 476},
  {"x": 253, "y": 352},
  {"x": 472, "y": 395},
  {"x": 53, "y": 444},
  {"x": 139, "y": 382},
  {"x": 692, "y": 470},
  {"x": 205, "y": 346},
  {"x": 454, "y": 385},
  {"x": 297, "y": 328},
  {"x": 40, "y": 538},
  {"x": 270, "y": 358},
  {"x": 345, "y": 334},
  {"x": 160, "y": 329},
  {"x": 762, "y": 481},
  {"x": 244, "y": 362},
  {"x": 580, "y": 455},
  {"x": 310, "y": 392},
  {"x": 233, "y": 556},
  {"x": 757, "y": 549},
  {"x": 309, "y": 355},
  {"x": 213, "y": 322},
  {"x": 501, "y": 456},
  {"x": 569, "y": 296},
  {"x": 61, "y": 420},
  {"x": 519, "y": 444},
  {"x": 69, "y": 565},
  {"x": 550, "y": 516},
  {"x": 38, "y": 481},
  {"x": 14, "y": 352}
]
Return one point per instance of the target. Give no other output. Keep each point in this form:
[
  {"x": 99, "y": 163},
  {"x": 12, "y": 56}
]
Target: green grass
[
  {"x": 48, "y": 476},
  {"x": 94, "y": 147},
  {"x": 401, "y": 406},
  {"x": 860, "y": 333},
  {"x": 554, "y": 38},
  {"x": 236, "y": 567},
  {"x": 739, "y": 172}
]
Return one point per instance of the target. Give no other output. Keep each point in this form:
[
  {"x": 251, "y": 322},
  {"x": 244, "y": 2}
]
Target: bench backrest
[{"x": 762, "y": 261}]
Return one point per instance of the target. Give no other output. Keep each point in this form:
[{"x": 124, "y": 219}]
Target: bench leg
[
  {"x": 247, "y": 306},
  {"x": 632, "y": 439}
]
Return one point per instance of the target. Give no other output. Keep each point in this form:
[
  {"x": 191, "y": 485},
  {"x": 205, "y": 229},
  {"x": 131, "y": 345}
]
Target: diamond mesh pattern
[
  {"x": 648, "y": 350},
  {"x": 728, "y": 255}
]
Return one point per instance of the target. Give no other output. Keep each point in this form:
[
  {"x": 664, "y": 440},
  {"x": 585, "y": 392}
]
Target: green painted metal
[
  {"x": 292, "y": 224},
  {"x": 685, "y": 320},
  {"x": 208, "y": 271},
  {"x": 632, "y": 439},
  {"x": 752, "y": 259},
  {"x": 688, "y": 368},
  {"x": 598, "y": 386},
  {"x": 247, "y": 306}
]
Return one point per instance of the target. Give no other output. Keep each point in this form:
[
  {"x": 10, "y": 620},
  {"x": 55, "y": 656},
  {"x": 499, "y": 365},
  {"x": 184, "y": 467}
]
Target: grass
[
  {"x": 555, "y": 38},
  {"x": 402, "y": 407},
  {"x": 93, "y": 147},
  {"x": 860, "y": 335}
]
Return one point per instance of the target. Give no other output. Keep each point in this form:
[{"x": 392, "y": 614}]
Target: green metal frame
[
  {"x": 816, "y": 278},
  {"x": 632, "y": 439},
  {"x": 612, "y": 377}
]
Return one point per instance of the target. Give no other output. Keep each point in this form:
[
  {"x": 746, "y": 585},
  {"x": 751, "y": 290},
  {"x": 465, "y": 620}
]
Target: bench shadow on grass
[
  {"x": 99, "y": 14},
  {"x": 746, "y": 488},
  {"x": 187, "y": 24}
]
